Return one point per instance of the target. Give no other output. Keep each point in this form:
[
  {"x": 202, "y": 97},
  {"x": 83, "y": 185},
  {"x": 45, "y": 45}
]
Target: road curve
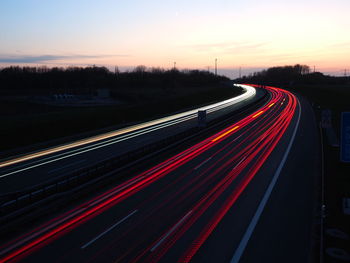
[
  {"x": 249, "y": 92},
  {"x": 39, "y": 167},
  {"x": 177, "y": 211}
]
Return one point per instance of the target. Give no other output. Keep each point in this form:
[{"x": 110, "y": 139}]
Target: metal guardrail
[
  {"x": 13, "y": 202},
  {"x": 17, "y": 200}
]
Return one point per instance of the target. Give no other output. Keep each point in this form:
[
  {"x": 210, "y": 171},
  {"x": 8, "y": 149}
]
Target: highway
[
  {"x": 228, "y": 198},
  {"x": 25, "y": 171}
]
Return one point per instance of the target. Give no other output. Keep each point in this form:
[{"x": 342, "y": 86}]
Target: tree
[{"x": 140, "y": 69}]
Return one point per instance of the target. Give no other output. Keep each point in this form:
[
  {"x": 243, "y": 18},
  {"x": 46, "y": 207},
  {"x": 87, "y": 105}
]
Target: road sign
[{"x": 345, "y": 137}]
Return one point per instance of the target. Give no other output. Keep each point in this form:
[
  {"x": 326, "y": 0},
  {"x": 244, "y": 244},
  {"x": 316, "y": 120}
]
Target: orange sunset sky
[{"x": 251, "y": 34}]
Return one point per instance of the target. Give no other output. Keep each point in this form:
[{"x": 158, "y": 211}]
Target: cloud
[
  {"x": 288, "y": 57},
  {"x": 340, "y": 45},
  {"x": 229, "y": 47},
  {"x": 49, "y": 58}
]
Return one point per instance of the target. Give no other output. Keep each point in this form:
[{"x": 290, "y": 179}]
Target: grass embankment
[
  {"x": 336, "y": 174},
  {"x": 337, "y": 99},
  {"x": 24, "y": 123}
]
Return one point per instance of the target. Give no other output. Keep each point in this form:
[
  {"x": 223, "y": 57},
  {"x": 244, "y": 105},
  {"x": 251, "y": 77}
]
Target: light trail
[
  {"x": 275, "y": 132},
  {"x": 250, "y": 153},
  {"x": 243, "y": 184},
  {"x": 258, "y": 114},
  {"x": 147, "y": 126},
  {"x": 226, "y": 133}
]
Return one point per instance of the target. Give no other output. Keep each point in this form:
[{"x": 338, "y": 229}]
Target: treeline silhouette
[
  {"x": 82, "y": 79},
  {"x": 328, "y": 92},
  {"x": 290, "y": 76}
]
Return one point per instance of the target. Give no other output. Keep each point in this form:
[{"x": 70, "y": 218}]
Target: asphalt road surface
[{"x": 246, "y": 194}]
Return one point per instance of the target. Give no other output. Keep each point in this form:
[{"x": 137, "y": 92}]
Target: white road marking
[
  {"x": 239, "y": 163},
  {"x": 170, "y": 231},
  {"x": 66, "y": 166},
  {"x": 116, "y": 191},
  {"x": 47, "y": 228},
  {"x": 170, "y": 161},
  {"x": 162, "y": 166},
  {"x": 237, "y": 138},
  {"x": 34, "y": 235},
  {"x": 201, "y": 164},
  {"x": 243, "y": 244},
  {"x": 107, "y": 230}
]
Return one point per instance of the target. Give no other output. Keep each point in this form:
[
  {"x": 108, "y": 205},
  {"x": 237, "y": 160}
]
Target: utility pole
[
  {"x": 216, "y": 67},
  {"x": 345, "y": 72}
]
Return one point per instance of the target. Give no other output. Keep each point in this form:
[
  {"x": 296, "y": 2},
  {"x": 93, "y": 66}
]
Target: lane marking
[
  {"x": 247, "y": 235},
  {"x": 66, "y": 166},
  {"x": 166, "y": 163},
  {"x": 47, "y": 228},
  {"x": 237, "y": 138},
  {"x": 107, "y": 230},
  {"x": 201, "y": 164},
  {"x": 239, "y": 163},
  {"x": 162, "y": 166},
  {"x": 34, "y": 235},
  {"x": 115, "y": 191},
  {"x": 170, "y": 231}
]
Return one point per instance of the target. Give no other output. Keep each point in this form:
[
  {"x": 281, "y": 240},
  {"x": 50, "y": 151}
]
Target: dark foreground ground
[
  {"x": 336, "y": 182},
  {"x": 337, "y": 224}
]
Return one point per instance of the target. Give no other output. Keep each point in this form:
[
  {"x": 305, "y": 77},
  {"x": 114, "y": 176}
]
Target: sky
[{"x": 251, "y": 34}]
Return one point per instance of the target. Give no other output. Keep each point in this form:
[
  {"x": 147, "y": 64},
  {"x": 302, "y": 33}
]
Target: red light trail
[{"x": 241, "y": 161}]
